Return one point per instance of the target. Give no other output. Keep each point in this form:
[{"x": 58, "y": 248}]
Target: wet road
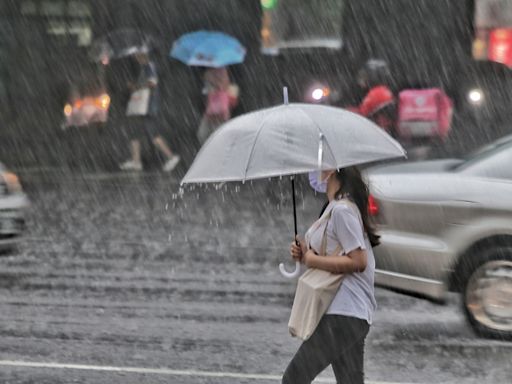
[{"x": 121, "y": 280}]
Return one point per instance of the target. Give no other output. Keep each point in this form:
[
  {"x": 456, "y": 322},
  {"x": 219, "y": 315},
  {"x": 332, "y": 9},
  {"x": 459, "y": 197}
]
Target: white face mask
[{"x": 316, "y": 183}]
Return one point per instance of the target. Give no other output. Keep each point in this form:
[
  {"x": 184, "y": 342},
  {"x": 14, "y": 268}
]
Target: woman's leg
[
  {"x": 163, "y": 147},
  {"x": 314, "y": 355},
  {"x": 338, "y": 340},
  {"x": 204, "y": 130},
  {"x": 349, "y": 366},
  {"x": 135, "y": 151}
]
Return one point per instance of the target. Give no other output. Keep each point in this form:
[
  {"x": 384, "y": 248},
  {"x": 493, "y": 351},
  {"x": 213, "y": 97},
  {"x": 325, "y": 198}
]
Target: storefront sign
[
  {"x": 500, "y": 46},
  {"x": 493, "y": 35}
]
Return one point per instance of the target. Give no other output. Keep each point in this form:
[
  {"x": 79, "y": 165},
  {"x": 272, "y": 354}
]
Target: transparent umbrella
[{"x": 288, "y": 140}]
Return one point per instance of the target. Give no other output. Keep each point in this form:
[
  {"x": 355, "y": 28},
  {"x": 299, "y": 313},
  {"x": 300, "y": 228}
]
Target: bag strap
[
  {"x": 339, "y": 248},
  {"x": 323, "y": 246}
]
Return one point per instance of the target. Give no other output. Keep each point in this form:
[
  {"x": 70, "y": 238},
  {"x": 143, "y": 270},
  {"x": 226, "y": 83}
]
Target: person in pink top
[{"x": 222, "y": 96}]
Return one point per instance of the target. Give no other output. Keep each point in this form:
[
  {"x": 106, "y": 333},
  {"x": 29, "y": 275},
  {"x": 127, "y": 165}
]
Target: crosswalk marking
[{"x": 159, "y": 371}]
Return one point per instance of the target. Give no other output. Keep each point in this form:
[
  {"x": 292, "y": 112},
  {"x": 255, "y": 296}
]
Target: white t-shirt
[{"x": 356, "y": 295}]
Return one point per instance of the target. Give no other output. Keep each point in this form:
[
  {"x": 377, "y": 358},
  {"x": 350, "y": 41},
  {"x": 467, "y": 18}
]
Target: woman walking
[
  {"x": 222, "y": 97},
  {"x": 338, "y": 340}
]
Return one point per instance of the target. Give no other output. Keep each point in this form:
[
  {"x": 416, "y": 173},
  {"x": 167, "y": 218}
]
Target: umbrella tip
[{"x": 285, "y": 95}]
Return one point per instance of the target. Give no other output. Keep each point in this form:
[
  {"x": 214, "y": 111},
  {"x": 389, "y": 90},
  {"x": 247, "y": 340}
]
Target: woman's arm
[{"x": 354, "y": 261}]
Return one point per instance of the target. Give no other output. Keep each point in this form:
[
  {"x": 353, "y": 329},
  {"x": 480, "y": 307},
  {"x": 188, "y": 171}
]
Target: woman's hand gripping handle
[{"x": 297, "y": 250}]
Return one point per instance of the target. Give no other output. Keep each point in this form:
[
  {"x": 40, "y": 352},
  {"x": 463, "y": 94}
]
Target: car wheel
[{"x": 487, "y": 293}]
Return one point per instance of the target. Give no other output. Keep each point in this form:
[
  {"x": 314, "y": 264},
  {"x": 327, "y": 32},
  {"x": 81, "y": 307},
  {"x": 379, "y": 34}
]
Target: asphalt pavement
[{"x": 123, "y": 278}]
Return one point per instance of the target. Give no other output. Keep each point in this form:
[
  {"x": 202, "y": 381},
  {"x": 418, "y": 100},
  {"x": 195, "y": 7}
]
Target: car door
[{"x": 411, "y": 221}]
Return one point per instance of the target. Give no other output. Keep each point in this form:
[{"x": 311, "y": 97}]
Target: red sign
[{"x": 500, "y": 46}]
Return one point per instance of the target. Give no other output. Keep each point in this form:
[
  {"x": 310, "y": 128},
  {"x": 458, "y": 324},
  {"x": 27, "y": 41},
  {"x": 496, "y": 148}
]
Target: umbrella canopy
[
  {"x": 121, "y": 43},
  {"x": 287, "y": 140},
  {"x": 208, "y": 49}
]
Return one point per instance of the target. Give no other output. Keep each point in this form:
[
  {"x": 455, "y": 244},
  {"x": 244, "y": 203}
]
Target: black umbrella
[{"x": 121, "y": 43}]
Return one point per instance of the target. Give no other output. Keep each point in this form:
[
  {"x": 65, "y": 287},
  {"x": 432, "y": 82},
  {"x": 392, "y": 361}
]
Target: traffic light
[{"x": 268, "y": 4}]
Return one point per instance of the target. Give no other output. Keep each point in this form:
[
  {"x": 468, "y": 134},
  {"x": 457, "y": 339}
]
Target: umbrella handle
[{"x": 290, "y": 275}]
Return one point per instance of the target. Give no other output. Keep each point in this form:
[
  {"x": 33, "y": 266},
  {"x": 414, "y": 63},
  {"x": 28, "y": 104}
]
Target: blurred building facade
[{"x": 45, "y": 43}]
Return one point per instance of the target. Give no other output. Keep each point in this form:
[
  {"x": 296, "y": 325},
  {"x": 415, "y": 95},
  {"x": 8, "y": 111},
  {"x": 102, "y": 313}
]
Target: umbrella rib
[
  {"x": 320, "y": 132},
  {"x": 386, "y": 136},
  {"x": 260, "y": 128}
]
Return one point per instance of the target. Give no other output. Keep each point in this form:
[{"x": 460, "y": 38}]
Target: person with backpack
[
  {"x": 378, "y": 104},
  {"x": 222, "y": 97}
]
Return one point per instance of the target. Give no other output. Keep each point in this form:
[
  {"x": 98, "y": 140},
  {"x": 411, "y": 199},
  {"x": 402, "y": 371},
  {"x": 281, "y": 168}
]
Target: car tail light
[
  {"x": 373, "y": 207},
  {"x": 103, "y": 101},
  {"x": 68, "y": 110},
  {"x": 12, "y": 182}
]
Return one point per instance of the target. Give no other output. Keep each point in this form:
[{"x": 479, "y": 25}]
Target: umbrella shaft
[{"x": 294, "y": 208}]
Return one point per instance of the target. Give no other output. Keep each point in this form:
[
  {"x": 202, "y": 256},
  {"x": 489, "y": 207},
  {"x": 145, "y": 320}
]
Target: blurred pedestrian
[
  {"x": 379, "y": 103},
  {"x": 338, "y": 340},
  {"x": 222, "y": 97},
  {"x": 141, "y": 114}
]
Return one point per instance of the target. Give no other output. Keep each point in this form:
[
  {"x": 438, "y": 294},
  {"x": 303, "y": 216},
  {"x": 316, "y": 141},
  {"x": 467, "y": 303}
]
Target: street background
[
  {"x": 44, "y": 50},
  {"x": 125, "y": 278}
]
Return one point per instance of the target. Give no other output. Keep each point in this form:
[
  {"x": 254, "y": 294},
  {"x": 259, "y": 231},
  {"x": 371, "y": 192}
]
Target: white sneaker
[
  {"x": 131, "y": 166},
  {"x": 171, "y": 163}
]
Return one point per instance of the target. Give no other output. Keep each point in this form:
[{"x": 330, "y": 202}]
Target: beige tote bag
[
  {"x": 139, "y": 102},
  {"x": 315, "y": 291}
]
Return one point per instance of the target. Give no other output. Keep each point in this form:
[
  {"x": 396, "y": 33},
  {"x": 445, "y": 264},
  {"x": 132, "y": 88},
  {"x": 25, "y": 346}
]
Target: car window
[
  {"x": 294, "y": 24},
  {"x": 86, "y": 82},
  {"x": 488, "y": 149},
  {"x": 495, "y": 163}
]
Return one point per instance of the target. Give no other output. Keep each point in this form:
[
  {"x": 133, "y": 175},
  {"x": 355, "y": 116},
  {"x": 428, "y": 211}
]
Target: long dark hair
[{"x": 354, "y": 187}]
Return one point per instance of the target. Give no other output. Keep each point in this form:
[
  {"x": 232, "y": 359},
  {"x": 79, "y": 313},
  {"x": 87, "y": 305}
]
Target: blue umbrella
[{"x": 208, "y": 49}]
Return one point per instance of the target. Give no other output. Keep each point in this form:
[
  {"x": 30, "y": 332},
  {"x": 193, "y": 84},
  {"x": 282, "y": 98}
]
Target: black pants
[
  {"x": 142, "y": 127},
  {"x": 338, "y": 340}
]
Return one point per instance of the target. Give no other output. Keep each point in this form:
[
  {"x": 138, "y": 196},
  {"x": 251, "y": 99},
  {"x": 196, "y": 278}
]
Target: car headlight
[
  {"x": 103, "y": 101},
  {"x": 318, "y": 93},
  {"x": 12, "y": 182},
  {"x": 476, "y": 96}
]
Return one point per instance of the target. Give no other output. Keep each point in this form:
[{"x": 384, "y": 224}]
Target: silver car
[
  {"x": 13, "y": 204},
  {"x": 446, "y": 225}
]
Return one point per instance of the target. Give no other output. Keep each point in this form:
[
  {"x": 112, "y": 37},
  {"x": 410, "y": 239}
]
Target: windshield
[{"x": 483, "y": 152}]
